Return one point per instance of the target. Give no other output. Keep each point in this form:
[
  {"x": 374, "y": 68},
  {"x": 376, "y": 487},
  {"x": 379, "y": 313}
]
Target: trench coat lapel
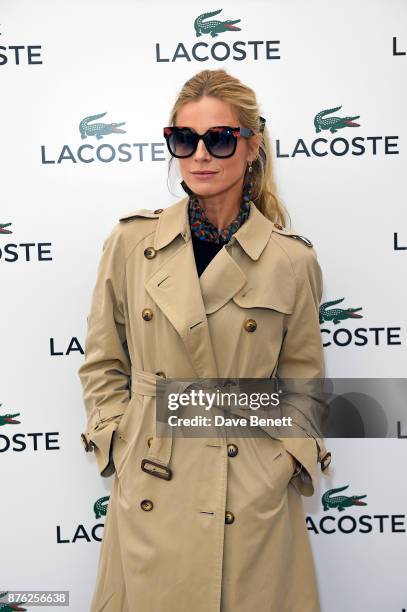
[
  {"x": 223, "y": 278},
  {"x": 185, "y": 298},
  {"x": 176, "y": 289},
  {"x": 220, "y": 281}
]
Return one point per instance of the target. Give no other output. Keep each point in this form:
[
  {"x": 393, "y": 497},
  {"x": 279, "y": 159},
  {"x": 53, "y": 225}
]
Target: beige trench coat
[{"x": 227, "y": 532}]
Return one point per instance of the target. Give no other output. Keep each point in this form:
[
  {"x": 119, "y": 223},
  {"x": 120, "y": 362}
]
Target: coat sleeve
[
  {"x": 301, "y": 357},
  {"x": 106, "y": 371}
]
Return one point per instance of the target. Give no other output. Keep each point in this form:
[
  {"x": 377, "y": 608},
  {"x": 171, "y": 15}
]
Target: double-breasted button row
[
  {"x": 232, "y": 452},
  {"x": 147, "y": 505},
  {"x": 150, "y": 253},
  {"x": 250, "y": 325}
]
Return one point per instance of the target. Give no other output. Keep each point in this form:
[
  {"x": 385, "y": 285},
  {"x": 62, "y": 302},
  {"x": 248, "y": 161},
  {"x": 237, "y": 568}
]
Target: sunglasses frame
[{"x": 236, "y": 132}]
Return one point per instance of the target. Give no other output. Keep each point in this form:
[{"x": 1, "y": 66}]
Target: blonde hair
[{"x": 219, "y": 84}]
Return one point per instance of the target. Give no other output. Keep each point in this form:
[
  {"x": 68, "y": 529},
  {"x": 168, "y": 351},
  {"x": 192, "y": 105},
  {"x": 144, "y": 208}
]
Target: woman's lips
[{"x": 203, "y": 175}]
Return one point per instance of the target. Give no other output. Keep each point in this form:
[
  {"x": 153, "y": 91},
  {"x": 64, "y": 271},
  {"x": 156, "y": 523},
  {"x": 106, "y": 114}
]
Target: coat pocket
[
  {"x": 281, "y": 470},
  {"x": 269, "y": 471},
  {"x": 126, "y": 431}
]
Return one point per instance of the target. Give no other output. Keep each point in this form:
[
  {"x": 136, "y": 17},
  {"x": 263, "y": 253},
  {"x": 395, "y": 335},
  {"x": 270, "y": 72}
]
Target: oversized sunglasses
[{"x": 220, "y": 141}]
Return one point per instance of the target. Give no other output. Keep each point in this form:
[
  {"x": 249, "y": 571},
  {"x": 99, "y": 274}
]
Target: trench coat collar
[
  {"x": 187, "y": 299},
  {"x": 252, "y": 236}
]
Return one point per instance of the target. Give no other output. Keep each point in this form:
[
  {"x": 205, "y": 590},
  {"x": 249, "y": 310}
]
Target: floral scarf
[{"x": 203, "y": 229}]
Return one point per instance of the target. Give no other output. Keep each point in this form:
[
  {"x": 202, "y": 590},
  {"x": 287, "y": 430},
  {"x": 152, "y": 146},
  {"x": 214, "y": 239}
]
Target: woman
[{"x": 211, "y": 286}]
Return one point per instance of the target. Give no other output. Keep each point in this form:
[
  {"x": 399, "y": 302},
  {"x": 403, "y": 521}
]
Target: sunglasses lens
[
  {"x": 220, "y": 142},
  {"x": 181, "y": 143}
]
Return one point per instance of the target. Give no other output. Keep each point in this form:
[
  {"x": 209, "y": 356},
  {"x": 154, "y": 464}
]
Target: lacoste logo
[
  {"x": 100, "y": 506},
  {"x": 3, "y": 229},
  {"x": 329, "y": 500},
  {"x": 8, "y": 419},
  {"x": 333, "y": 124},
  {"x": 337, "y": 314},
  {"x": 99, "y": 129},
  {"x": 214, "y": 27}
]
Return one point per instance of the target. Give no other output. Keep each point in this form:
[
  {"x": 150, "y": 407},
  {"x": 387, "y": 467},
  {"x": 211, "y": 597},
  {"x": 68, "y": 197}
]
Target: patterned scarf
[{"x": 203, "y": 229}]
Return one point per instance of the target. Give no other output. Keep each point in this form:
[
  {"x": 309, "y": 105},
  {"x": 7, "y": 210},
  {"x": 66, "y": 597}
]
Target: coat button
[
  {"x": 149, "y": 440},
  {"x": 147, "y": 314},
  {"x": 229, "y": 517},
  {"x": 250, "y": 325},
  {"x": 147, "y": 505},
  {"x": 158, "y": 211},
  {"x": 232, "y": 450},
  {"x": 162, "y": 374},
  {"x": 150, "y": 252}
]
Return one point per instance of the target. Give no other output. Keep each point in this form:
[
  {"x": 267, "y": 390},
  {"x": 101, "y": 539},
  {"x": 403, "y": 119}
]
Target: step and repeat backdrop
[{"x": 331, "y": 83}]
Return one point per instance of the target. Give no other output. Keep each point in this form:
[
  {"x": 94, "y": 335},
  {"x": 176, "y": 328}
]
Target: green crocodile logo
[
  {"x": 9, "y": 607},
  {"x": 8, "y": 419},
  {"x": 214, "y": 27},
  {"x": 3, "y": 229},
  {"x": 341, "y": 501},
  {"x": 99, "y": 129},
  {"x": 100, "y": 506},
  {"x": 337, "y": 314},
  {"x": 333, "y": 124}
]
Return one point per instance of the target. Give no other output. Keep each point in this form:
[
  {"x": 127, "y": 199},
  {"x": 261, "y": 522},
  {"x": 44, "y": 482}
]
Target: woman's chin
[{"x": 204, "y": 190}]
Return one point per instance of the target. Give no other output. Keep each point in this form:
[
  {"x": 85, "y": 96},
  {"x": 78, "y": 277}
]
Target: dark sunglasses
[{"x": 220, "y": 141}]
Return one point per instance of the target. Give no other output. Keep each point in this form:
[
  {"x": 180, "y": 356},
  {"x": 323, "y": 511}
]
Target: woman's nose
[{"x": 201, "y": 151}]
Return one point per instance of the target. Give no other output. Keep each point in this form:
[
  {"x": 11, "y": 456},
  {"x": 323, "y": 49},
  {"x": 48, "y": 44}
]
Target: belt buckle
[{"x": 163, "y": 472}]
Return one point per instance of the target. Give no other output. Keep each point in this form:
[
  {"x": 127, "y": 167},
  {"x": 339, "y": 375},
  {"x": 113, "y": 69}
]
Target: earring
[{"x": 247, "y": 187}]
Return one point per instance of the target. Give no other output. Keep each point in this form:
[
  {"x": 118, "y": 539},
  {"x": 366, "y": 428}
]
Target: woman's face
[{"x": 200, "y": 116}]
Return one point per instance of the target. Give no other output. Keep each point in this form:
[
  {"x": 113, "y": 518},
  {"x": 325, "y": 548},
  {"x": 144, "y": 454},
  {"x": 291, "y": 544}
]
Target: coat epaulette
[
  {"x": 142, "y": 212},
  {"x": 281, "y": 230}
]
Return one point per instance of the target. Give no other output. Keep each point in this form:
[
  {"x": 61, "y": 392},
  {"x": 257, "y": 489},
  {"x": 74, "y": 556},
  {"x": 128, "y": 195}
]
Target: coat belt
[
  {"x": 144, "y": 382},
  {"x": 158, "y": 458}
]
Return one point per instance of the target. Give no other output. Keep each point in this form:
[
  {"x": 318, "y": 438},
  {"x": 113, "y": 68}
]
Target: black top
[{"x": 205, "y": 251}]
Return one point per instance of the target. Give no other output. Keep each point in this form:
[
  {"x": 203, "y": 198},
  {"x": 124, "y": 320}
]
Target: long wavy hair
[{"x": 221, "y": 85}]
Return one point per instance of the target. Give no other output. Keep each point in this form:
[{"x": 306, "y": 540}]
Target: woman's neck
[{"x": 223, "y": 208}]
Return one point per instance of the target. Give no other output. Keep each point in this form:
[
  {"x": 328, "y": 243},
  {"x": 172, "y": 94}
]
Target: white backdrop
[{"x": 63, "y": 61}]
